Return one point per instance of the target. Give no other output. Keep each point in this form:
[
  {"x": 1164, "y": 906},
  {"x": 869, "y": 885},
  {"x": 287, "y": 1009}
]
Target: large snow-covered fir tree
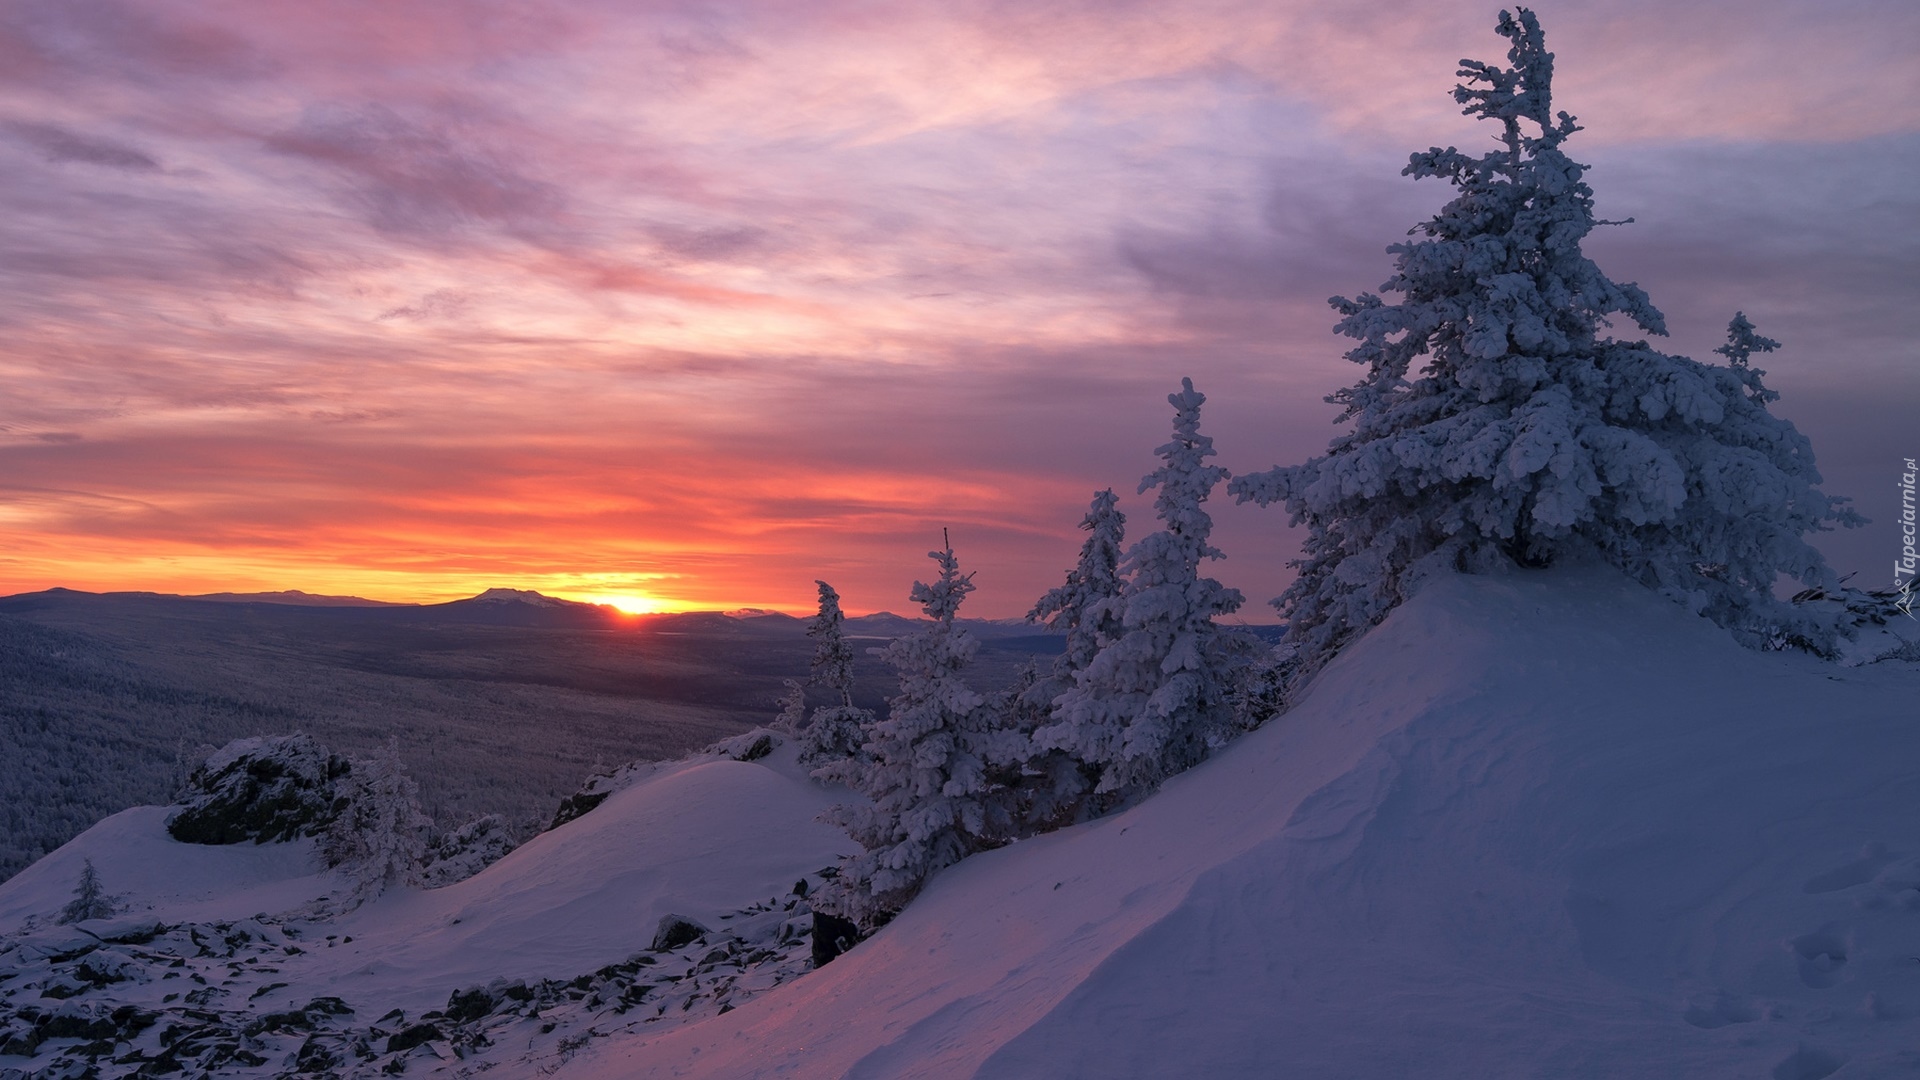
[
  {"x": 1153, "y": 696},
  {"x": 1087, "y": 608},
  {"x": 836, "y": 730},
  {"x": 1526, "y": 433},
  {"x": 379, "y": 839},
  {"x": 933, "y": 802}
]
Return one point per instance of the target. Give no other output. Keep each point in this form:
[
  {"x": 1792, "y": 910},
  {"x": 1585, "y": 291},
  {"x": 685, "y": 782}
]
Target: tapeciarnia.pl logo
[{"x": 1904, "y": 566}]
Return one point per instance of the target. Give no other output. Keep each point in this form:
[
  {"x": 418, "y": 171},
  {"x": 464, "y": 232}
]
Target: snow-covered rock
[{"x": 262, "y": 789}]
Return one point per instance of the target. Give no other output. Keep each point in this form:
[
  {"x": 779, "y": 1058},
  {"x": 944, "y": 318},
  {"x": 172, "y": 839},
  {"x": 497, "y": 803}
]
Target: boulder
[{"x": 675, "y": 931}]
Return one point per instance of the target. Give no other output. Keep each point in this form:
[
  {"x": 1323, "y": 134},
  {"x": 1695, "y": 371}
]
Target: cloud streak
[{"x": 710, "y": 300}]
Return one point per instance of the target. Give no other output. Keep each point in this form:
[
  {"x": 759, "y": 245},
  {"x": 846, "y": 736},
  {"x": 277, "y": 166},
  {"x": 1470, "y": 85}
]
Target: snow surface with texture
[{"x": 1538, "y": 824}]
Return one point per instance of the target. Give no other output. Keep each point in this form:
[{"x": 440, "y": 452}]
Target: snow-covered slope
[
  {"x": 149, "y": 871},
  {"x": 696, "y": 838},
  {"x": 1544, "y": 824}
]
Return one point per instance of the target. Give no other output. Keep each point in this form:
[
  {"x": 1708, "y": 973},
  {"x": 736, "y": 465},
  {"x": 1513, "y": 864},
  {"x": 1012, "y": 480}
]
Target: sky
[{"x": 692, "y": 304}]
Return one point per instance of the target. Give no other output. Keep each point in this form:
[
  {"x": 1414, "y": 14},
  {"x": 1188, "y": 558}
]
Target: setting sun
[{"x": 631, "y": 603}]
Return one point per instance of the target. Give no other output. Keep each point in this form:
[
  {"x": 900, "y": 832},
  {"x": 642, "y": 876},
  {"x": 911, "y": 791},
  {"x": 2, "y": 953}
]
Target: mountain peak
[{"x": 525, "y": 596}]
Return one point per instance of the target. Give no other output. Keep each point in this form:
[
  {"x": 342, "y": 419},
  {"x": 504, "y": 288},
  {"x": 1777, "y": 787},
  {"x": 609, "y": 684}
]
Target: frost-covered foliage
[
  {"x": 265, "y": 789},
  {"x": 90, "y": 899},
  {"x": 837, "y": 729},
  {"x": 1878, "y": 624},
  {"x": 1048, "y": 787},
  {"x": 379, "y": 839},
  {"x": 467, "y": 850},
  {"x": 1088, "y": 609},
  {"x": 933, "y": 802},
  {"x": 1527, "y": 434},
  {"x": 793, "y": 707},
  {"x": 1152, "y": 697}
]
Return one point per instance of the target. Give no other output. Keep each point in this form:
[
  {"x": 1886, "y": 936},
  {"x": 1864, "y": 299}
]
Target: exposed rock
[
  {"x": 577, "y": 805},
  {"x": 264, "y": 790},
  {"x": 675, "y": 931},
  {"x": 414, "y": 1036},
  {"x": 832, "y": 936}
]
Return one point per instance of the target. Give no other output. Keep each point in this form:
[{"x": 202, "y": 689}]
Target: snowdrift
[{"x": 1543, "y": 824}]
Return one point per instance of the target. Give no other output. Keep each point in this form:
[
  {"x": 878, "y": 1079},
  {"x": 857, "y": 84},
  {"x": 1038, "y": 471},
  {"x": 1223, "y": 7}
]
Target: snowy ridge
[{"x": 1538, "y": 824}]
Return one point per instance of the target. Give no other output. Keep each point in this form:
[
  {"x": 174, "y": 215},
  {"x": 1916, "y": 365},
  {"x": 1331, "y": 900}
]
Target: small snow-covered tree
[
  {"x": 90, "y": 899},
  {"x": 837, "y": 729},
  {"x": 1526, "y": 433},
  {"x": 933, "y": 803},
  {"x": 832, "y": 665},
  {"x": 1151, "y": 699},
  {"x": 379, "y": 839},
  {"x": 1088, "y": 609},
  {"x": 793, "y": 707}
]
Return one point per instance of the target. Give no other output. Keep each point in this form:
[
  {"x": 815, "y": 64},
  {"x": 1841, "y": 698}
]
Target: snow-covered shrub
[
  {"x": 932, "y": 801},
  {"x": 90, "y": 899},
  {"x": 1878, "y": 624},
  {"x": 1157, "y": 691},
  {"x": 379, "y": 839},
  {"x": 267, "y": 789},
  {"x": 1496, "y": 423}
]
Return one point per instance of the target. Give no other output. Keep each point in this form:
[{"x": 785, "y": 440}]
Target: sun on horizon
[{"x": 632, "y": 603}]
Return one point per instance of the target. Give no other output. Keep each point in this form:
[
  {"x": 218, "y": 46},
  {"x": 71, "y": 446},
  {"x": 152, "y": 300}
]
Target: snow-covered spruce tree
[
  {"x": 837, "y": 728},
  {"x": 1152, "y": 698},
  {"x": 379, "y": 839},
  {"x": 1526, "y": 434},
  {"x": 932, "y": 801},
  {"x": 1087, "y": 608},
  {"x": 90, "y": 899}
]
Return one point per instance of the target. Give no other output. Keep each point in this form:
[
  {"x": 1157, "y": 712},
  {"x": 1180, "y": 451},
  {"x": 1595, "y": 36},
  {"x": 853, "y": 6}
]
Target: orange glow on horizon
[{"x": 631, "y": 603}]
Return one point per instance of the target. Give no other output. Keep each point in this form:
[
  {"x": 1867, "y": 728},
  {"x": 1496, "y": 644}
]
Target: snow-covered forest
[{"x": 1574, "y": 758}]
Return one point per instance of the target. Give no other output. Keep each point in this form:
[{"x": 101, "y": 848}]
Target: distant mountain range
[
  {"x": 519, "y": 607},
  {"x": 285, "y": 596}
]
